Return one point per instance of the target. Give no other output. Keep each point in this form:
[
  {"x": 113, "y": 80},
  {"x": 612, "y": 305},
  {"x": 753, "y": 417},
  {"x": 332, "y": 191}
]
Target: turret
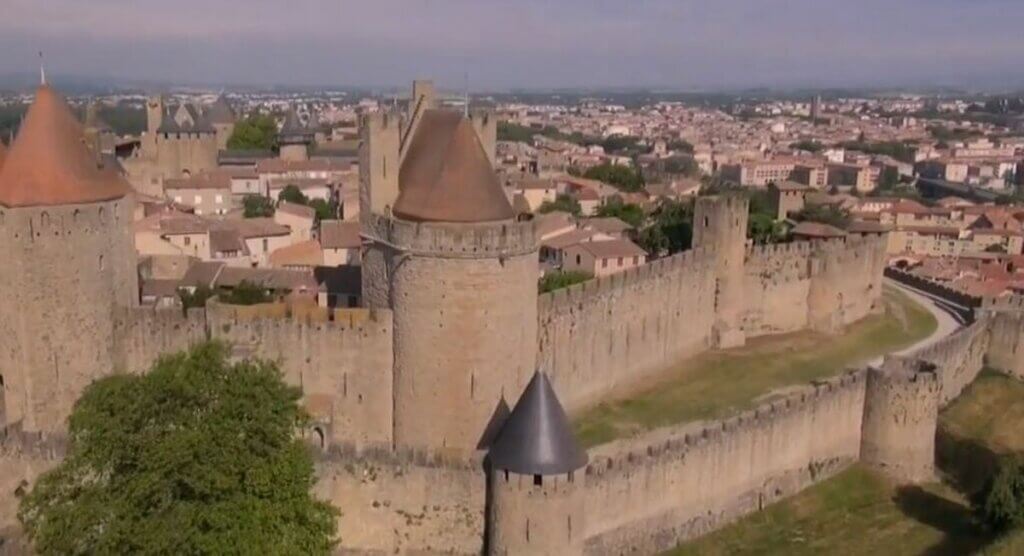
[
  {"x": 720, "y": 223},
  {"x": 535, "y": 486},
  {"x": 69, "y": 266},
  {"x": 901, "y": 408},
  {"x": 442, "y": 250},
  {"x": 294, "y": 138}
]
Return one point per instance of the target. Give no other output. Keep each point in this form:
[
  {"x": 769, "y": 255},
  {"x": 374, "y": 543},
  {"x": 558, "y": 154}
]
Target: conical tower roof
[
  {"x": 220, "y": 112},
  {"x": 446, "y": 176},
  {"x": 537, "y": 439},
  {"x": 49, "y": 162},
  {"x": 292, "y": 131}
]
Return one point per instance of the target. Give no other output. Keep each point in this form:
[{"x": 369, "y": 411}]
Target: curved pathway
[{"x": 947, "y": 323}]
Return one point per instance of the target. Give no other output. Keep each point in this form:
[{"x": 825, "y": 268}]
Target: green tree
[
  {"x": 194, "y": 298},
  {"x": 198, "y": 456},
  {"x": 889, "y": 178},
  {"x": 1000, "y": 505},
  {"x": 562, "y": 202},
  {"x": 764, "y": 229},
  {"x": 246, "y": 293},
  {"x": 825, "y": 214},
  {"x": 629, "y": 213},
  {"x": 257, "y": 206},
  {"x": 254, "y": 132},
  {"x": 808, "y": 145},
  {"x": 324, "y": 210},
  {"x": 292, "y": 194},
  {"x": 622, "y": 177},
  {"x": 671, "y": 229},
  {"x": 562, "y": 279}
]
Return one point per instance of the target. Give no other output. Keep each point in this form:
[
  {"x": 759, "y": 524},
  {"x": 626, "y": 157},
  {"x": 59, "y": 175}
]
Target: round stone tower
[
  {"x": 69, "y": 266},
  {"x": 461, "y": 278},
  {"x": 720, "y": 224},
  {"x": 901, "y": 408},
  {"x": 535, "y": 487}
]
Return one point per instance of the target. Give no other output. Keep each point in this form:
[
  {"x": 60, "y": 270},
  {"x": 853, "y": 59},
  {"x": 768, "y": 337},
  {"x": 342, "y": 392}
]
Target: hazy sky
[{"x": 523, "y": 43}]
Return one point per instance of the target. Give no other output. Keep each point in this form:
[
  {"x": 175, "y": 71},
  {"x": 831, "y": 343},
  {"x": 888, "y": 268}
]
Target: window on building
[
  {"x": 219, "y": 199},
  {"x": 578, "y": 259},
  {"x": 198, "y": 199},
  {"x": 188, "y": 240},
  {"x": 604, "y": 263},
  {"x": 266, "y": 244},
  {"x": 177, "y": 198},
  {"x": 620, "y": 261}
]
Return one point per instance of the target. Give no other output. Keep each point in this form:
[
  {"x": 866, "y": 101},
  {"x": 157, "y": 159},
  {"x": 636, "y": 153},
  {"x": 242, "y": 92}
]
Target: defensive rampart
[
  {"x": 647, "y": 494},
  {"x": 618, "y": 329},
  {"x": 776, "y": 287},
  {"x": 341, "y": 359},
  {"x": 142, "y": 334}
]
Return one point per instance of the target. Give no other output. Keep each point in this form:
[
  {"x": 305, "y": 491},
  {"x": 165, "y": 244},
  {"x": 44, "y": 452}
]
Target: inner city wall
[{"x": 617, "y": 330}]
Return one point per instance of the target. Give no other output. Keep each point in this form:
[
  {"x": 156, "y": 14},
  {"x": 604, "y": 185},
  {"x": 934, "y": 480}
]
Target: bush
[
  {"x": 622, "y": 177},
  {"x": 255, "y": 132},
  {"x": 257, "y": 206},
  {"x": 627, "y": 212},
  {"x": 246, "y": 293},
  {"x": 562, "y": 202},
  {"x": 562, "y": 279},
  {"x": 194, "y": 298},
  {"x": 1001, "y": 502},
  {"x": 198, "y": 456}
]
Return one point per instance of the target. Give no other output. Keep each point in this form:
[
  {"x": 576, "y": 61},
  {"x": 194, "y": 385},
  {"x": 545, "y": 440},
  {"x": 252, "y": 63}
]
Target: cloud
[{"x": 520, "y": 42}]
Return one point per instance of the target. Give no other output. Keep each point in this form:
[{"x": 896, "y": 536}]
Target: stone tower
[
  {"x": 294, "y": 138},
  {"x": 444, "y": 253},
  {"x": 535, "y": 487},
  {"x": 69, "y": 267},
  {"x": 901, "y": 407},
  {"x": 720, "y": 223},
  {"x": 154, "y": 113}
]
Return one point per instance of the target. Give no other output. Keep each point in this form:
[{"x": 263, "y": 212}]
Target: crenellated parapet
[{"x": 436, "y": 239}]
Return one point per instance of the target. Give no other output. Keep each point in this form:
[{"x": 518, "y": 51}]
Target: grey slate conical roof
[{"x": 537, "y": 439}]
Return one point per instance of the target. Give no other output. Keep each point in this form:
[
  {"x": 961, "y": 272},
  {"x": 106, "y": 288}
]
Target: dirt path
[{"x": 946, "y": 323}]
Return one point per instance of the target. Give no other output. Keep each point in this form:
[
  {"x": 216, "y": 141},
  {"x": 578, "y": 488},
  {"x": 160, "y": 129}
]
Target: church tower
[{"x": 69, "y": 266}]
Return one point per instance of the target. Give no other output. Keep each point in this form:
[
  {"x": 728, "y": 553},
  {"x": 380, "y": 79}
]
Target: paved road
[{"x": 947, "y": 323}]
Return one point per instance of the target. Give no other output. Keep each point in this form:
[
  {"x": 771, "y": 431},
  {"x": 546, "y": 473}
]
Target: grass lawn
[
  {"x": 856, "y": 512},
  {"x": 719, "y": 383},
  {"x": 859, "y": 512}
]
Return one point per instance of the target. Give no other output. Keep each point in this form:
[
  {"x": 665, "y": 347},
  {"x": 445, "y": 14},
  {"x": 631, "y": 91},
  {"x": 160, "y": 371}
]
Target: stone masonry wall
[
  {"x": 647, "y": 494},
  {"x": 343, "y": 365},
  {"x": 958, "y": 358},
  {"x": 143, "y": 334},
  {"x": 776, "y": 284},
  {"x": 618, "y": 329}
]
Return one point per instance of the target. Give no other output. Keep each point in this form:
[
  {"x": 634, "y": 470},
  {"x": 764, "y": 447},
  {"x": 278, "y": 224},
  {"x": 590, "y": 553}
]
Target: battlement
[
  {"x": 566, "y": 298},
  {"x": 674, "y": 442},
  {"x": 342, "y": 453},
  {"x": 792, "y": 249},
  {"x": 470, "y": 241},
  {"x": 1013, "y": 302},
  {"x": 221, "y": 314}
]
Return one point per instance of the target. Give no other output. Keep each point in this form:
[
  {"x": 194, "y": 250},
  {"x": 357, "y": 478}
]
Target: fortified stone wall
[
  {"x": 846, "y": 281},
  {"x": 776, "y": 287},
  {"x": 1006, "y": 328},
  {"x": 958, "y": 358},
  {"x": 342, "y": 365},
  {"x": 405, "y": 502},
  {"x": 647, "y": 494},
  {"x": 143, "y": 334},
  {"x": 617, "y": 329}
]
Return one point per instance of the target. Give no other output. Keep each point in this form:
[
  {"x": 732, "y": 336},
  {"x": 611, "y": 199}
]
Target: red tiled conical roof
[
  {"x": 446, "y": 176},
  {"x": 49, "y": 162}
]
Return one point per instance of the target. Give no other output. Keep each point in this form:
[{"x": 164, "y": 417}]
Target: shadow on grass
[
  {"x": 961, "y": 533},
  {"x": 966, "y": 463}
]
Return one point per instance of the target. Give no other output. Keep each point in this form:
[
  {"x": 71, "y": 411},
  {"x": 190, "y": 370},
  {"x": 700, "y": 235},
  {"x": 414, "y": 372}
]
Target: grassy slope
[
  {"x": 719, "y": 383},
  {"x": 857, "y": 512}
]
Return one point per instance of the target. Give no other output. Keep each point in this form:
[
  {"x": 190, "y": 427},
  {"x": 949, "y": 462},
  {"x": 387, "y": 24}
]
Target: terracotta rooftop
[
  {"x": 338, "y": 234},
  {"x": 612, "y": 248},
  {"x": 49, "y": 162},
  {"x": 817, "y": 230},
  {"x": 446, "y": 176},
  {"x": 304, "y": 253}
]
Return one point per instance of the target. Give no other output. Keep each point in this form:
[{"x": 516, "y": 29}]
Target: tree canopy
[
  {"x": 671, "y": 229},
  {"x": 562, "y": 279},
  {"x": 257, "y": 206},
  {"x": 824, "y": 214},
  {"x": 198, "y": 456},
  {"x": 255, "y": 132},
  {"x": 629, "y": 213},
  {"x": 622, "y": 177},
  {"x": 562, "y": 202}
]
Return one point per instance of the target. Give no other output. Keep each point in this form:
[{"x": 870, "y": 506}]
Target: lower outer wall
[
  {"x": 396, "y": 506},
  {"x": 647, "y": 495}
]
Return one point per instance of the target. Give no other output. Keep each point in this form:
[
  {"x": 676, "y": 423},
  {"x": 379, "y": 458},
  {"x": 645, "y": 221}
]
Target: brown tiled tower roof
[
  {"x": 49, "y": 162},
  {"x": 446, "y": 176}
]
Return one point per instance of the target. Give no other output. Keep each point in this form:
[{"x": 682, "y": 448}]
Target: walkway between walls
[{"x": 947, "y": 322}]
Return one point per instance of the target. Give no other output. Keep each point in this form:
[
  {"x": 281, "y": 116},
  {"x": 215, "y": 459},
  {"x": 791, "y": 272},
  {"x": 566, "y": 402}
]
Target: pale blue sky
[{"x": 524, "y": 43}]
